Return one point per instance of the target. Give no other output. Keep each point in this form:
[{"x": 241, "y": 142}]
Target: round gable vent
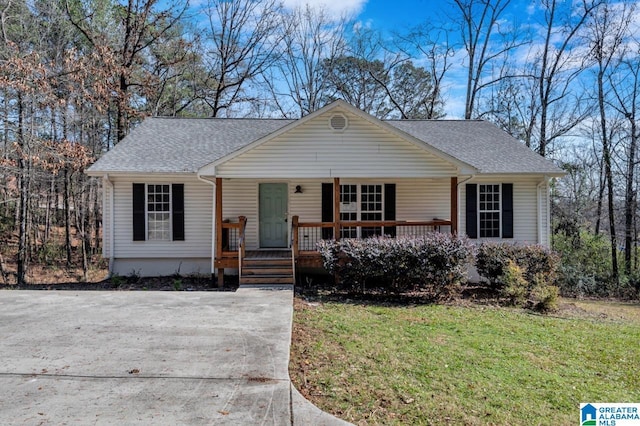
[{"x": 338, "y": 122}]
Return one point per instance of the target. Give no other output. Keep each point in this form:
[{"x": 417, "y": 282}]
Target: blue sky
[{"x": 400, "y": 15}]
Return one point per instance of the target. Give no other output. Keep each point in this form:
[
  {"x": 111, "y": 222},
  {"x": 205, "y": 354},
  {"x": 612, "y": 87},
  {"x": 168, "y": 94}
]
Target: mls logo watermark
[{"x": 610, "y": 414}]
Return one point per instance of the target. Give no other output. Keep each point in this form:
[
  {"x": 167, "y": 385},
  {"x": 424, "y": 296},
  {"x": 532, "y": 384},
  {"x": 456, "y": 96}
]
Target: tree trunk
[
  {"x": 23, "y": 183},
  {"x": 603, "y": 183},
  {"x": 606, "y": 159},
  {"x": 67, "y": 216},
  {"x": 629, "y": 199}
]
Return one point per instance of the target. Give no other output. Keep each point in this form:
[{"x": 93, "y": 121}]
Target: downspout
[
  {"x": 112, "y": 221},
  {"x": 213, "y": 222},
  {"x": 541, "y": 231},
  {"x": 539, "y": 215}
]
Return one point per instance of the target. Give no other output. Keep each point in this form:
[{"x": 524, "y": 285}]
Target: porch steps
[{"x": 266, "y": 271}]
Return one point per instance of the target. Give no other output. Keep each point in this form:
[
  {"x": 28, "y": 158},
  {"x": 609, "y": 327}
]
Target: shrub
[
  {"x": 523, "y": 274},
  {"x": 544, "y": 297},
  {"x": 117, "y": 281},
  {"x": 492, "y": 260},
  {"x": 585, "y": 268},
  {"x": 435, "y": 263},
  {"x": 515, "y": 286}
]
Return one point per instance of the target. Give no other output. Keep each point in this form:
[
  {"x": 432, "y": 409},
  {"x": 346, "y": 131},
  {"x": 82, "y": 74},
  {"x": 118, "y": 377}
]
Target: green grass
[{"x": 464, "y": 364}]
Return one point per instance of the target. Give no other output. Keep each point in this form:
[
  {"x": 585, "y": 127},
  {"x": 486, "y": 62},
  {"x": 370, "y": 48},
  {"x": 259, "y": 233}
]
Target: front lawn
[{"x": 472, "y": 364}]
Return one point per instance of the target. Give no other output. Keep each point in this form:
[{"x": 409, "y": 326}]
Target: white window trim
[
  {"x": 146, "y": 213},
  {"x": 499, "y": 211},
  {"x": 359, "y": 202}
]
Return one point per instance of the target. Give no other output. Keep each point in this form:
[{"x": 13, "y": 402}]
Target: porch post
[
  {"x": 219, "y": 229},
  {"x": 454, "y": 205},
  {"x": 336, "y": 208}
]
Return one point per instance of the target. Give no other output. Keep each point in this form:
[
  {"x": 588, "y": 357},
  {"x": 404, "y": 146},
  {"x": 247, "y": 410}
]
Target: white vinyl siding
[
  {"x": 313, "y": 150},
  {"x": 525, "y": 207},
  {"x": 198, "y": 211},
  {"x": 416, "y": 200}
]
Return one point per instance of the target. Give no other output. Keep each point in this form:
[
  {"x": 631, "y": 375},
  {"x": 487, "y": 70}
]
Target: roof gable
[
  {"x": 321, "y": 151},
  {"x": 312, "y": 149}
]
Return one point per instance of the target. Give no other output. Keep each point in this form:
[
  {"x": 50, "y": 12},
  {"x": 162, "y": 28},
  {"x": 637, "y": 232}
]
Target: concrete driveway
[{"x": 72, "y": 357}]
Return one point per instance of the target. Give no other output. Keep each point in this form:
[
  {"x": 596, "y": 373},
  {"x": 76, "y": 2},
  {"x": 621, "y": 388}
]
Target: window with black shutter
[
  {"x": 489, "y": 210},
  {"x": 158, "y": 212}
]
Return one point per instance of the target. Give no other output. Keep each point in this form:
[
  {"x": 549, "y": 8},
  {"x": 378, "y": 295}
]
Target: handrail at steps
[
  {"x": 294, "y": 245},
  {"x": 241, "y": 250}
]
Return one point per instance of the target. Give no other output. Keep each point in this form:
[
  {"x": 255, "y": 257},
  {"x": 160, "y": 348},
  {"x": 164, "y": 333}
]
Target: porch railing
[
  {"x": 306, "y": 235},
  {"x": 232, "y": 239},
  {"x": 241, "y": 245}
]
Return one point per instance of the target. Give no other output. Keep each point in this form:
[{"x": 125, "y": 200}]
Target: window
[
  {"x": 361, "y": 203},
  {"x": 349, "y": 209},
  {"x": 371, "y": 208},
  {"x": 489, "y": 210},
  {"x": 158, "y": 212}
]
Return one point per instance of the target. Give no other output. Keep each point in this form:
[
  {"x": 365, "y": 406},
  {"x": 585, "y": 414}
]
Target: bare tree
[
  {"x": 358, "y": 81},
  {"x": 607, "y": 32},
  {"x": 485, "y": 43},
  {"x": 430, "y": 43},
  {"x": 557, "y": 64},
  {"x": 621, "y": 64},
  {"x": 311, "y": 41},
  {"x": 140, "y": 25},
  {"x": 242, "y": 42}
]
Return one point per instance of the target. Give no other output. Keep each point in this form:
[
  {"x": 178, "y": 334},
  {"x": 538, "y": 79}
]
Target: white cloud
[{"x": 332, "y": 7}]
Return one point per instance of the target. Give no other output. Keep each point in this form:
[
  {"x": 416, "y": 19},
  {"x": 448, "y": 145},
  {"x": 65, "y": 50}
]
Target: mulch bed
[{"x": 134, "y": 284}]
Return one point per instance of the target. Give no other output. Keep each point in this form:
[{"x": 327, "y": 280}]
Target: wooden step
[
  {"x": 266, "y": 279},
  {"x": 266, "y": 270},
  {"x": 266, "y": 262}
]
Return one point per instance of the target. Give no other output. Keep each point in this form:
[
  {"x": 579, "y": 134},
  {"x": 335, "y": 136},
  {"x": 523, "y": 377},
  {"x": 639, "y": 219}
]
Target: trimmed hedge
[{"x": 435, "y": 263}]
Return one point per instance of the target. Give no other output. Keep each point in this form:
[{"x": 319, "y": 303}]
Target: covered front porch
[{"x": 244, "y": 246}]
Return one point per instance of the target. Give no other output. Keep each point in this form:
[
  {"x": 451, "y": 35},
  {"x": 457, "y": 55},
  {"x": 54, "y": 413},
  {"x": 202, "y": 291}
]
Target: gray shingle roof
[
  {"x": 183, "y": 145},
  {"x": 478, "y": 143}
]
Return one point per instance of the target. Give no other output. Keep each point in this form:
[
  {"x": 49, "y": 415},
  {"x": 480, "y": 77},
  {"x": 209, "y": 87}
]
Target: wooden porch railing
[
  {"x": 230, "y": 246},
  {"x": 241, "y": 245},
  {"x": 305, "y": 235}
]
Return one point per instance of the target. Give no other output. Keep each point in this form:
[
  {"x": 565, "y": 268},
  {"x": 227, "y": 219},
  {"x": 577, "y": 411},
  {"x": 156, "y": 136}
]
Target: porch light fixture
[{"x": 298, "y": 189}]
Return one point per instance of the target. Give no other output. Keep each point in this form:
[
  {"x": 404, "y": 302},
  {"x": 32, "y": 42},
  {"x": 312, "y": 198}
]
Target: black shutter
[
  {"x": 177, "y": 211},
  {"x": 507, "y": 210},
  {"x": 390, "y": 207},
  {"x": 472, "y": 210},
  {"x": 327, "y": 209},
  {"x": 138, "y": 212}
]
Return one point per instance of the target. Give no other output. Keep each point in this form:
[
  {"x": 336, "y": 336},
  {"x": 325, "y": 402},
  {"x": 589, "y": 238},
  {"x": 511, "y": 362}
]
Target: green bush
[
  {"x": 585, "y": 268},
  {"x": 515, "y": 287},
  {"x": 493, "y": 258},
  {"x": 544, "y": 297},
  {"x": 435, "y": 263},
  {"x": 523, "y": 274}
]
